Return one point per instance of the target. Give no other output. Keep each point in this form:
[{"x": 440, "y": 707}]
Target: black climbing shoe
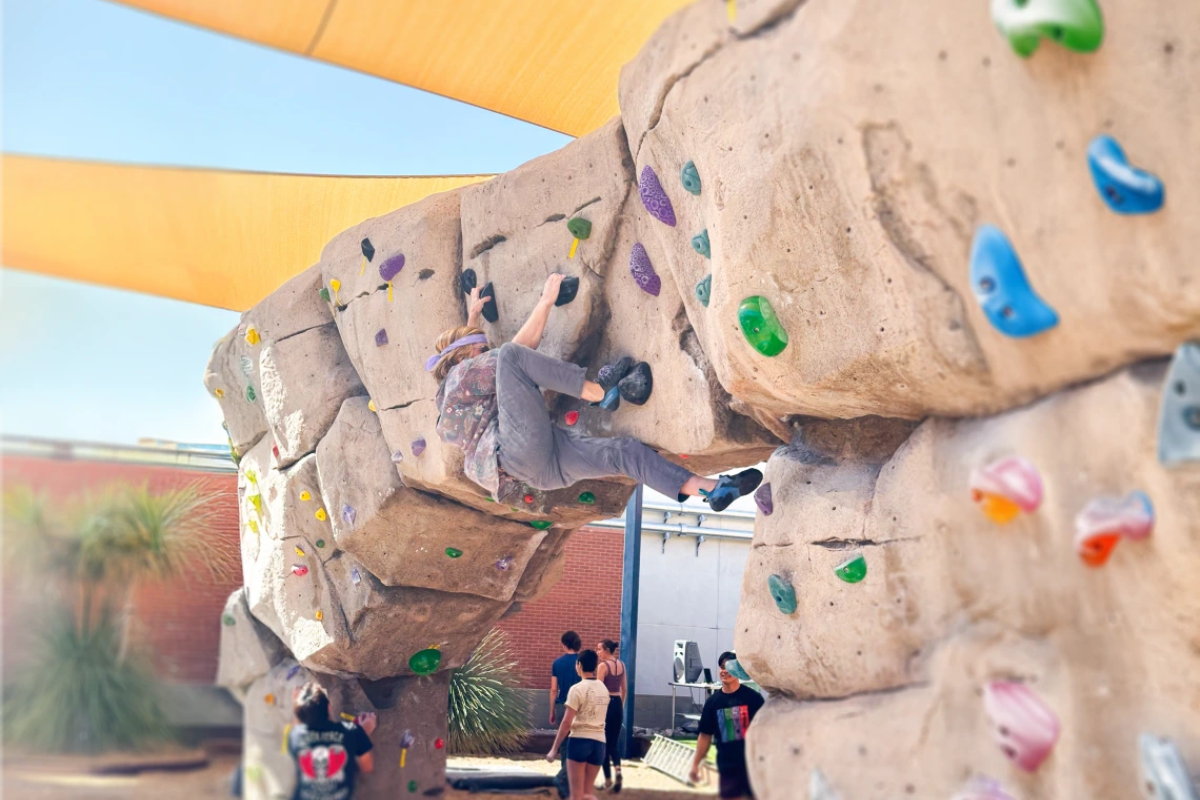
[
  {"x": 490, "y": 312},
  {"x": 610, "y": 375},
  {"x": 637, "y": 385},
  {"x": 611, "y": 401},
  {"x": 567, "y": 291},
  {"x": 467, "y": 281},
  {"x": 731, "y": 487}
]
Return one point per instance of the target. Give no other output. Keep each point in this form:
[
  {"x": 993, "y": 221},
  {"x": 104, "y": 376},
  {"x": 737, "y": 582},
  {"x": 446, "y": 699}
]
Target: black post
[{"x": 630, "y": 580}]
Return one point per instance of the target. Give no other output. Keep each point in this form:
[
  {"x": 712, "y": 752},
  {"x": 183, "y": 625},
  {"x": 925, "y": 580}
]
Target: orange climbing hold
[{"x": 1005, "y": 488}]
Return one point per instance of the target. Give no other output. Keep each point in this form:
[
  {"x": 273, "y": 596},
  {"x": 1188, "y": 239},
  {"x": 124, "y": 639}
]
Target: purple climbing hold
[
  {"x": 504, "y": 564},
  {"x": 655, "y": 199},
  {"x": 762, "y": 498},
  {"x": 349, "y": 515},
  {"x": 391, "y": 267},
  {"x": 397, "y": 457},
  {"x": 381, "y": 337},
  {"x": 292, "y": 672},
  {"x": 354, "y": 576},
  {"x": 418, "y": 446},
  {"x": 643, "y": 271}
]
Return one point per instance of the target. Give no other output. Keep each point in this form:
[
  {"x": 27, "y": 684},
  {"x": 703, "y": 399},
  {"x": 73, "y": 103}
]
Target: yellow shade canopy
[
  {"x": 554, "y": 63},
  {"x": 225, "y": 239}
]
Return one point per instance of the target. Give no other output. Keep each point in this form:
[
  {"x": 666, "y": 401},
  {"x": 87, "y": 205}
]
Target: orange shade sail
[
  {"x": 554, "y": 63},
  {"x": 224, "y": 239}
]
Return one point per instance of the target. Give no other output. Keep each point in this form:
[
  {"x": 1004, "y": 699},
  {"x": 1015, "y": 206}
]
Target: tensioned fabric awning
[
  {"x": 550, "y": 62},
  {"x": 218, "y": 238}
]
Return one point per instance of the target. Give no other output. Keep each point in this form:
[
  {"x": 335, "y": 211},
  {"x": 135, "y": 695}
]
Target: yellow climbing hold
[
  {"x": 389, "y": 291},
  {"x": 305, "y": 496},
  {"x": 287, "y": 729},
  {"x": 320, "y": 514},
  {"x": 371, "y": 405},
  {"x": 363, "y": 267},
  {"x": 335, "y": 284},
  {"x": 253, "y": 525},
  {"x": 299, "y": 552},
  {"x": 252, "y": 476},
  {"x": 731, "y": 6},
  {"x": 252, "y": 336},
  {"x": 219, "y": 392},
  {"x": 345, "y": 716},
  {"x": 319, "y": 615}
]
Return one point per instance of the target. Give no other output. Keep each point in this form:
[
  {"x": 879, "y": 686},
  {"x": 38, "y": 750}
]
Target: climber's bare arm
[
  {"x": 475, "y": 306},
  {"x": 531, "y": 332}
]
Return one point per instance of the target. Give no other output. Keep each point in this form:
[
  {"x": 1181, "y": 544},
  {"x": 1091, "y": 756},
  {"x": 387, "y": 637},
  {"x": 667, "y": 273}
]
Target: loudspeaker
[{"x": 687, "y": 661}]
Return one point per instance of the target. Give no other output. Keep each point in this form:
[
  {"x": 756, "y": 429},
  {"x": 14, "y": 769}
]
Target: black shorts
[
  {"x": 735, "y": 783},
  {"x": 589, "y": 751}
]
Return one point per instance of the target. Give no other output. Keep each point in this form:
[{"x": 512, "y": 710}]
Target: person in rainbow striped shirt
[{"x": 726, "y": 717}]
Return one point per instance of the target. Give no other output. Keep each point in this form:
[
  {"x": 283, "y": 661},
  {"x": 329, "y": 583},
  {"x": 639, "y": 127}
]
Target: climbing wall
[{"x": 927, "y": 248}]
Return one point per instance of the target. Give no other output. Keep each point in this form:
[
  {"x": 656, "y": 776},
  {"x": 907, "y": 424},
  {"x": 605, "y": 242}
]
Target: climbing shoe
[
  {"x": 610, "y": 375},
  {"x": 611, "y": 401},
  {"x": 731, "y": 487},
  {"x": 637, "y": 385},
  {"x": 490, "y": 312},
  {"x": 567, "y": 290}
]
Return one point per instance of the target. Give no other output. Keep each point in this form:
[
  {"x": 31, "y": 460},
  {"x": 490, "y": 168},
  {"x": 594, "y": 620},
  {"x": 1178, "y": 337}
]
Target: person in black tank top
[{"x": 612, "y": 673}]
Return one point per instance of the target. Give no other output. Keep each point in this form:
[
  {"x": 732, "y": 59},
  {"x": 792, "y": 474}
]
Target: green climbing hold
[
  {"x": 853, "y": 569},
  {"x": 540, "y": 524},
  {"x": 700, "y": 244},
  {"x": 690, "y": 178},
  {"x": 587, "y": 497},
  {"x": 704, "y": 290},
  {"x": 325, "y": 295},
  {"x": 320, "y": 542},
  {"x": 453, "y": 552},
  {"x": 250, "y": 395},
  {"x": 783, "y": 593},
  {"x": 228, "y": 619},
  {"x": 412, "y": 786},
  {"x": 256, "y": 501},
  {"x": 579, "y": 227},
  {"x": 761, "y": 327},
  {"x": 425, "y": 662},
  {"x": 1075, "y": 24}
]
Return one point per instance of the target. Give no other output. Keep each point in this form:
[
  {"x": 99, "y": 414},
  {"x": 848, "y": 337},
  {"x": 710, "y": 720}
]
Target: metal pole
[{"x": 630, "y": 579}]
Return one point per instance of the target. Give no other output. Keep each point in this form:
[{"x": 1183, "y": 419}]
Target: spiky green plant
[{"x": 489, "y": 712}]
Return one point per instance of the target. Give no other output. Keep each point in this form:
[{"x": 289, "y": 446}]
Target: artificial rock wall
[{"x": 786, "y": 222}]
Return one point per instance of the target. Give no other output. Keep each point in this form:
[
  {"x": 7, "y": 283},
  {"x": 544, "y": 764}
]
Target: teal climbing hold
[
  {"x": 1123, "y": 187},
  {"x": 853, "y": 569},
  {"x": 587, "y": 498},
  {"x": 1003, "y": 291},
  {"x": 1075, "y": 24},
  {"x": 734, "y": 668},
  {"x": 412, "y": 786},
  {"x": 250, "y": 395},
  {"x": 228, "y": 619},
  {"x": 540, "y": 524},
  {"x": 782, "y": 593},
  {"x": 761, "y": 327},
  {"x": 1179, "y": 412},
  {"x": 700, "y": 244},
  {"x": 690, "y": 178},
  {"x": 704, "y": 290}
]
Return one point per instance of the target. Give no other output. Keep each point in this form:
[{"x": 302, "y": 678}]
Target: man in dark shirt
[
  {"x": 562, "y": 677},
  {"x": 727, "y": 716},
  {"x": 328, "y": 755}
]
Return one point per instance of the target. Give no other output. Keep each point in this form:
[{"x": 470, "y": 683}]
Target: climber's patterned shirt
[{"x": 468, "y": 417}]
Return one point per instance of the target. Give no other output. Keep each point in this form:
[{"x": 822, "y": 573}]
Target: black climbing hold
[
  {"x": 637, "y": 385},
  {"x": 468, "y": 281},
  {"x": 579, "y": 227},
  {"x": 490, "y": 312},
  {"x": 567, "y": 291},
  {"x": 611, "y": 374},
  {"x": 368, "y": 249}
]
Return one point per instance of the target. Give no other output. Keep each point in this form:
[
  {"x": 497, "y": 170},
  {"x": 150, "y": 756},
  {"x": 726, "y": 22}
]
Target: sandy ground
[{"x": 61, "y": 778}]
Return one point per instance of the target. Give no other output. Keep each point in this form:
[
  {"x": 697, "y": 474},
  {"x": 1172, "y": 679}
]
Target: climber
[
  {"x": 328, "y": 755},
  {"x": 490, "y": 404}
]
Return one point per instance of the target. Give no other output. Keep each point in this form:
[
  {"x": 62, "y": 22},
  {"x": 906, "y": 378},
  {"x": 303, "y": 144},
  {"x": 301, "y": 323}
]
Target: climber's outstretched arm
[{"x": 531, "y": 332}]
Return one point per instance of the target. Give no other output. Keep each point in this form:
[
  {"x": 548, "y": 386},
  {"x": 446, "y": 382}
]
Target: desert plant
[{"x": 489, "y": 713}]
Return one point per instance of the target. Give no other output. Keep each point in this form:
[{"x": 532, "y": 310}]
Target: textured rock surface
[{"x": 248, "y": 649}]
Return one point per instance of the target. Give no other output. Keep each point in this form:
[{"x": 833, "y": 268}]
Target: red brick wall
[
  {"x": 587, "y": 600},
  {"x": 178, "y": 622}
]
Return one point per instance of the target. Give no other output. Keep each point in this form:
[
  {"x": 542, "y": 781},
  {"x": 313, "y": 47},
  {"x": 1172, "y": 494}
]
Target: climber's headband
[{"x": 474, "y": 338}]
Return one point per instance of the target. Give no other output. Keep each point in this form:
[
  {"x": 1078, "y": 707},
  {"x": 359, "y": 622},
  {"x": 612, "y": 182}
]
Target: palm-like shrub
[
  {"x": 84, "y": 689},
  {"x": 489, "y": 713}
]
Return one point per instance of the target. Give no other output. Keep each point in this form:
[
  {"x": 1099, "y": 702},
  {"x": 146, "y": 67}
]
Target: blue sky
[{"x": 90, "y": 79}]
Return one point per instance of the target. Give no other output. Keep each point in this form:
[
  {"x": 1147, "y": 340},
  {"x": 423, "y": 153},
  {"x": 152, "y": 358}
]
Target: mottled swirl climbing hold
[
  {"x": 426, "y": 661},
  {"x": 655, "y": 199},
  {"x": 349, "y": 515},
  {"x": 762, "y": 499},
  {"x": 587, "y": 498},
  {"x": 299, "y": 570},
  {"x": 1022, "y": 725},
  {"x": 389, "y": 269},
  {"x": 541, "y": 524},
  {"x": 819, "y": 787},
  {"x": 491, "y": 312},
  {"x": 1122, "y": 186},
  {"x": 700, "y": 244},
  {"x": 381, "y": 337},
  {"x": 571, "y": 417},
  {"x": 355, "y": 576},
  {"x": 1002, "y": 289},
  {"x": 219, "y": 392},
  {"x": 1005, "y": 488},
  {"x": 305, "y": 496},
  {"x": 299, "y": 552},
  {"x": 324, "y": 294},
  {"x": 320, "y": 543},
  {"x": 690, "y": 178},
  {"x": 580, "y": 229},
  {"x": 704, "y": 290},
  {"x": 761, "y": 326},
  {"x": 250, "y": 395},
  {"x": 252, "y": 336},
  {"x": 643, "y": 271},
  {"x": 320, "y": 514},
  {"x": 467, "y": 281},
  {"x": 982, "y": 788},
  {"x": 567, "y": 290},
  {"x": 453, "y": 552},
  {"x": 1164, "y": 774},
  {"x": 418, "y": 447},
  {"x": 1104, "y": 520},
  {"x": 853, "y": 569},
  {"x": 1075, "y": 24},
  {"x": 505, "y": 564},
  {"x": 1179, "y": 412},
  {"x": 782, "y": 592},
  {"x": 228, "y": 619},
  {"x": 336, "y": 285}
]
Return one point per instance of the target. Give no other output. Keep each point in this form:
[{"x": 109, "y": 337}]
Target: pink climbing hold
[
  {"x": 983, "y": 788},
  {"x": 1022, "y": 725},
  {"x": 655, "y": 199},
  {"x": 391, "y": 267},
  {"x": 299, "y": 570},
  {"x": 1006, "y": 487},
  {"x": 1103, "y": 521},
  {"x": 418, "y": 447},
  {"x": 643, "y": 271},
  {"x": 381, "y": 337}
]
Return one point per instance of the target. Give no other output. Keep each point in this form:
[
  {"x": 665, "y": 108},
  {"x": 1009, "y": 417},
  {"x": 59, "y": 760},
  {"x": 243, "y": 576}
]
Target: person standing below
[
  {"x": 563, "y": 676},
  {"x": 328, "y": 755},
  {"x": 586, "y": 708},
  {"x": 611, "y": 673},
  {"x": 727, "y": 716}
]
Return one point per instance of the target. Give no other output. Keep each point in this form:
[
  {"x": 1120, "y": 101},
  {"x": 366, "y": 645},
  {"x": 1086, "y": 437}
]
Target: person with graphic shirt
[
  {"x": 328, "y": 755},
  {"x": 726, "y": 718},
  {"x": 587, "y": 706},
  {"x": 563, "y": 676}
]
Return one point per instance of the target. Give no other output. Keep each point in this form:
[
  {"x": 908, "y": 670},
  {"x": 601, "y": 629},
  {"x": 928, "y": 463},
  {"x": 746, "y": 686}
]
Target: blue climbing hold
[
  {"x": 1002, "y": 289},
  {"x": 1125, "y": 188},
  {"x": 1164, "y": 774},
  {"x": 736, "y": 670},
  {"x": 700, "y": 243},
  {"x": 1179, "y": 413},
  {"x": 704, "y": 290}
]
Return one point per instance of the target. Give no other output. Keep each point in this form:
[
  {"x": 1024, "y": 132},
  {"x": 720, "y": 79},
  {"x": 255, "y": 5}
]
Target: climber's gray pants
[{"x": 549, "y": 457}]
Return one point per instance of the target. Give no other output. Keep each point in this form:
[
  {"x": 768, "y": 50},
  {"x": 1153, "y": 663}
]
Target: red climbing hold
[
  {"x": 275, "y": 451},
  {"x": 571, "y": 417},
  {"x": 528, "y": 498},
  {"x": 439, "y": 744}
]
